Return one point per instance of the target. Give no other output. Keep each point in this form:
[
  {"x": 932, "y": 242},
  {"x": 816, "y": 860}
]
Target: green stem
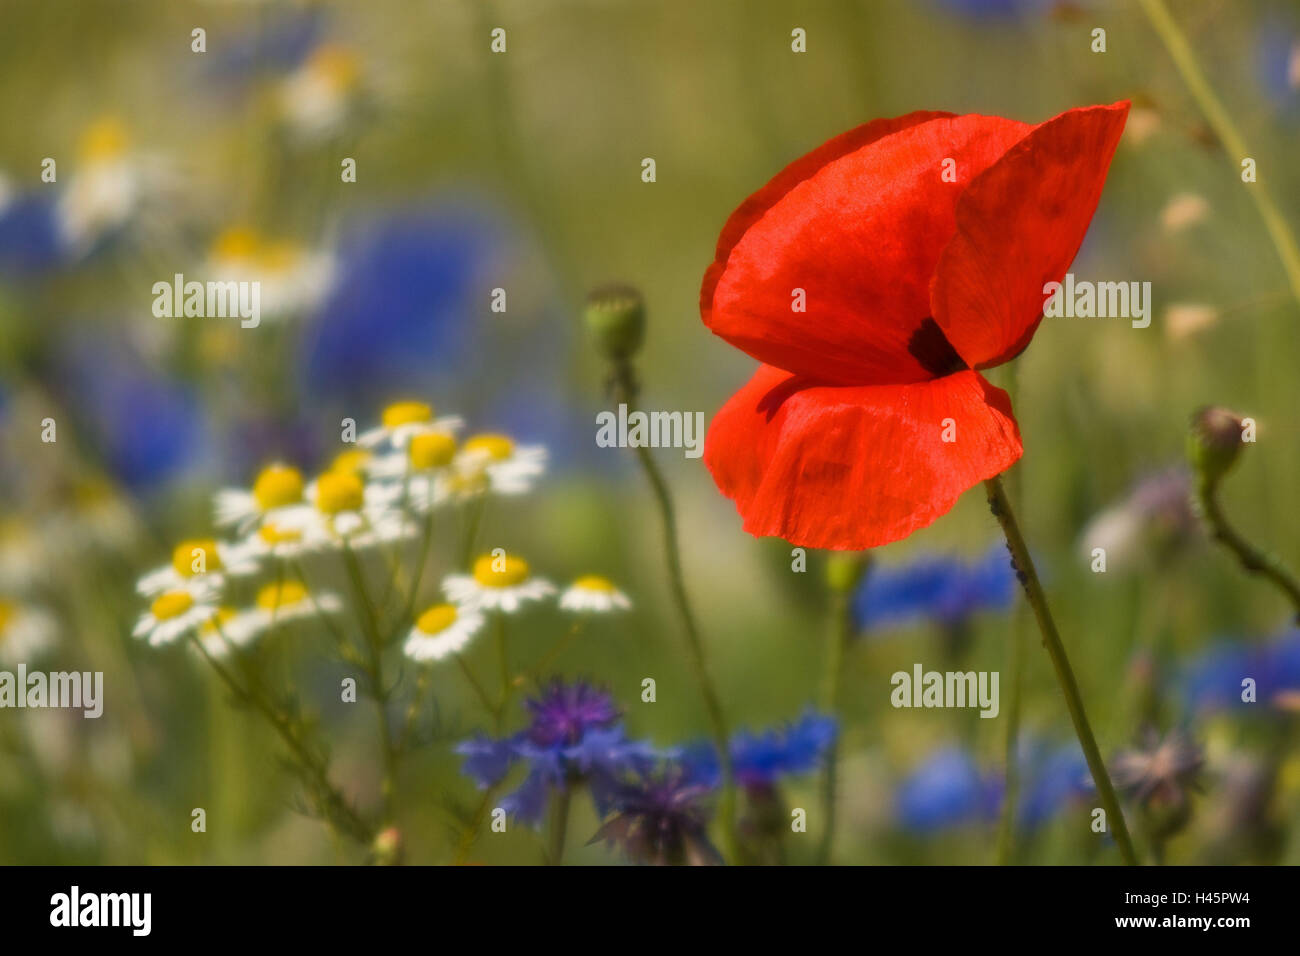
[
  {"x": 1220, "y": 121},
  {"x": 625, "y": 392},
  {"x": 841, "y": 632},
  {"x": 1001, "y": 508},
  {"x": 559, "y": 827},
  {"x": 336, "y": 809},
  {"x": 375, "y": 648},
  {"x": 1006, "y": 845},
  {"x": 1252, "y": 560}
]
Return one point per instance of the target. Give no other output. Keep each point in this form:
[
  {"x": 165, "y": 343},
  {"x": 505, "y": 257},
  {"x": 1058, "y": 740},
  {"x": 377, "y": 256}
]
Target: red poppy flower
[{"x": 909, "y": 283}]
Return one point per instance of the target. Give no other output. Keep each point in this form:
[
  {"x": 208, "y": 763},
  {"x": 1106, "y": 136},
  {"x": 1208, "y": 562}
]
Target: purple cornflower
[
  {"x": 574, "y": 737},
  {"x": 659, "y": 818}
]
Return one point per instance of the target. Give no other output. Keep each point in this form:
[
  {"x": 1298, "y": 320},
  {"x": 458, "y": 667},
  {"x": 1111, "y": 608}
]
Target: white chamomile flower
[
  {"x": 278, "y": 603},
  {"x": 174, "y": 614},
  {"x": 401, "y": 421},
  {"x": 593, "y": 593},
  {"x": 276, "y": 496},
  {"x": 25, "y": 632},
  {"x": 271, "y": 541},
  {"x": 348, "y": 510},
  {"x": 291, "y": 279},
  {"x": 422, "y": 472},
  {"x": 491, "y": 462},
  {"x": 499, "y": 583},
  {"x": 214, "y": 635},
  {"x": 442, "y": 630},
  {"x": 106, "y": 189},
  {"x": 198, "y": 564},
  {"x": 316, "y": 99}
]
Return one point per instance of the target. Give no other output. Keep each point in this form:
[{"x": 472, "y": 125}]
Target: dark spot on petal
[{"x": 931, "y": 348}]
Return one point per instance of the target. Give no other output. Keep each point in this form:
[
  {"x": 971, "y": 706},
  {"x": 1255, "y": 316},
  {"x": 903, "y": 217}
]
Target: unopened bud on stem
[{"x": 615, "y": 316}]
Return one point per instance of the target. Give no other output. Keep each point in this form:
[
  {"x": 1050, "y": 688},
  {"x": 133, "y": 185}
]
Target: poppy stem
[
  {"x": 1220, "y": 120},
  {"x": 1001, "y": 508},
  {"x": 624, "y": 387},
  {"x": 844, "y": 574}
]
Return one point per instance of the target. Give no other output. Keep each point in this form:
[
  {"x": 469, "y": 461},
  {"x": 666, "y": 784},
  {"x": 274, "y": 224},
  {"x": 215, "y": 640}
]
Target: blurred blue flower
[
  {"x": 1212, "y": 680},
  {"x": 1050, "y": 778},
  {"x": 1277, "y": 62},
  {"x": 148, "y": 427},
  {"x": 946, "y": 590},
  {"x": 946, "y": 790},
  {"x": 660, "y": 818},
  {"x": 996, "y": 9},
  {"x": 574, "y": 736},
  {"x": 30, "y": 239},
  {"x": 279, "y": 46},
  {"x": 761, "y": 760},
  {"x": 404, "y": 310},
  {"x": 949, "y": 789}
]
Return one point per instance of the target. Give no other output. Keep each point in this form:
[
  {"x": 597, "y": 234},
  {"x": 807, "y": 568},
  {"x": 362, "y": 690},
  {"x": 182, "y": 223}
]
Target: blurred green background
[{"x": 522, "y": 170}]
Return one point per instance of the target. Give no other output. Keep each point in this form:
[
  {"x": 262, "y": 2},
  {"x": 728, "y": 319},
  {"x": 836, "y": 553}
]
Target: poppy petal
[
  {"x": 855, "y": 467},
  {"x": 1019, "y": 225},
  {"x": 858, "y": 225}
]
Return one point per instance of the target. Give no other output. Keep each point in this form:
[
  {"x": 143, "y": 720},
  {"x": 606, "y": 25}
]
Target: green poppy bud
[{"x": 615, "y": 316}]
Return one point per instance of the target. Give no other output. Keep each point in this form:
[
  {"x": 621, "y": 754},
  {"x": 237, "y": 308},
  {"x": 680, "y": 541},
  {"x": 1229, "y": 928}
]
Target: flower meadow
[{"x": 677, "y": 434}]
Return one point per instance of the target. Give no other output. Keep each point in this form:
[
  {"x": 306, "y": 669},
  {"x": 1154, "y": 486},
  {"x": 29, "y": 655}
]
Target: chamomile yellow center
[
  {"x": 336, "y": 64},
  {"x": 594, "y": 582},
  {"x": 277, "y": 486},
  {"x": 406, "y": 413},
  {"x": 282, "y": 594},
  {"x": 198, "y": 556},
  {"x": 436, "y": 619},
  {"x": 431, "y": 450},
  {"x": 8, "y": 611},
  {"x": 280, "y": 256},
  {"x": 272, "y": 535},
  {"x": 172, "y": 604},
  {"x": 500, "y": 572},
  {"x": 338, "y": 491},
  {"x": 351, "y": 460},
  {"x": 236, "y": 243},
  {"x": 212, "y": 624},
  {"x": 104, "y": 139},
  {"x": 496, "y": 447}
]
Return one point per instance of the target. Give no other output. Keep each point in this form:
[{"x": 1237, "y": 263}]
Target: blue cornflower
[
  {"x": 574, "y": 737},
  {"x": 149, "y": 427},
  {"x": 1050, "y": 778},
  {"x": 280, "y": 46},
  {"x": 1213, "y": 680},
  {"x": 31, "y": 242},
  {"x": 405, "y": 308},
  {"x": 660, "y": 818},
  {"x": 946, "y": 590},
  {"x": 761, "y": 760},
  {"x": 949, "y": 789},
  {"x": 946, "y": 790}
]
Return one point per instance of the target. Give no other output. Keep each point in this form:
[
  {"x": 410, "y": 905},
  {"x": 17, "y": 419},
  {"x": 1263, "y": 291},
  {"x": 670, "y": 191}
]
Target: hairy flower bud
[
  {"x": 615, "y": 317},
  {"x": 1214, "y": 442}
]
